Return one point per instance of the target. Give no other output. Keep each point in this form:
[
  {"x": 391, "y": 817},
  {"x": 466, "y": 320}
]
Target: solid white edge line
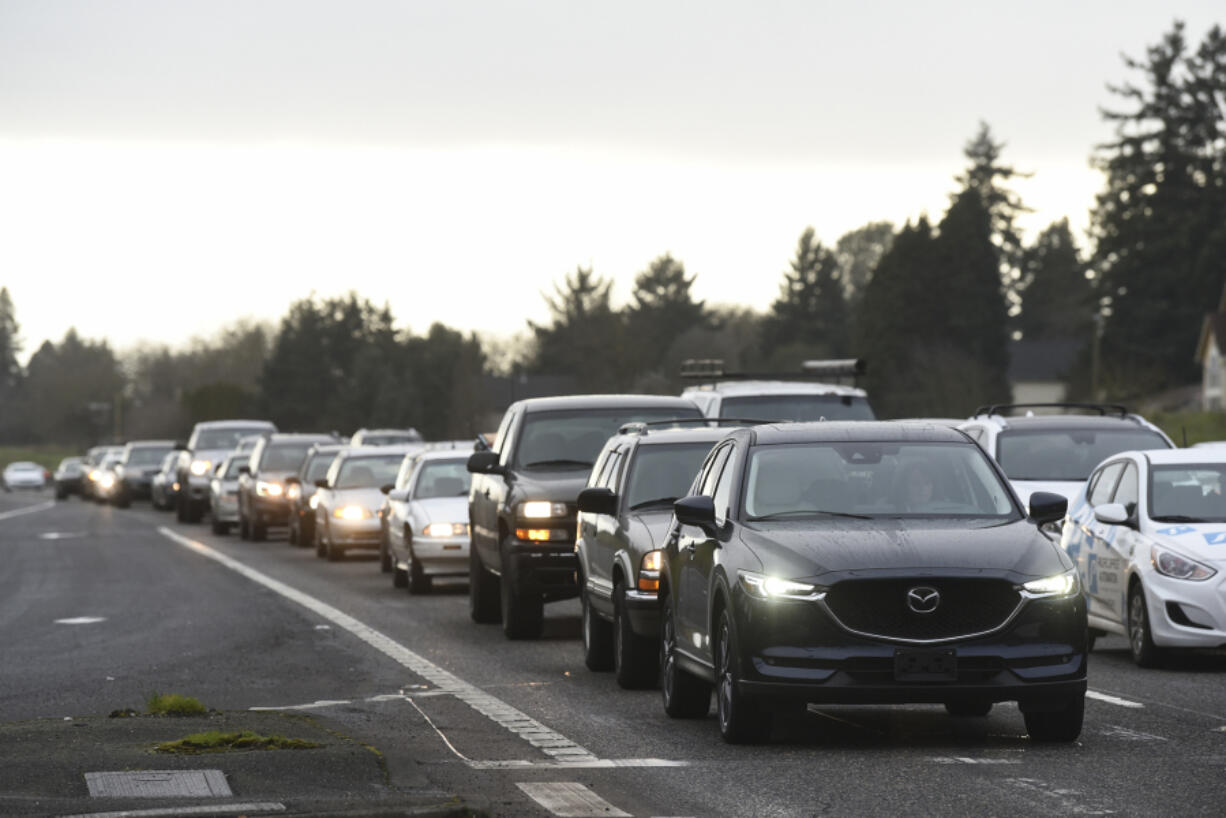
[
  {"x": 1109, "y": 699},
  {"x": 17, "y": 512},
  {"x": 545, "y": 739},
  {"x": 210, "y": 809},
  {"x": 570, "y": 799}
]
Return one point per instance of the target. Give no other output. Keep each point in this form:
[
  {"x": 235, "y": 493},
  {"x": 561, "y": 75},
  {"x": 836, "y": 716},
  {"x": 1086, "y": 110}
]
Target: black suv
[
  {"x": 624, "y": 515},
  {"x": 866, "y": 563},
  {"x": 521, "y": 506},
  {"x": 262, "y": 500},
  {"x": 140, "y": 461}
]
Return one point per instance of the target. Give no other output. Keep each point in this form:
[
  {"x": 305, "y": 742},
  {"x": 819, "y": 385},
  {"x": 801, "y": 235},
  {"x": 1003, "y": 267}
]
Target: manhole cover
[{"x": 159, "y": 784}]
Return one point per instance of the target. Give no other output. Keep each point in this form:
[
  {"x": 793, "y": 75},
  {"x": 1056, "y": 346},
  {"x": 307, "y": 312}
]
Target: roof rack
[
  {"x": 708, "y": 369},
  {"x": 1102, "y": 408},
  {"x": 640, "y": 427}
]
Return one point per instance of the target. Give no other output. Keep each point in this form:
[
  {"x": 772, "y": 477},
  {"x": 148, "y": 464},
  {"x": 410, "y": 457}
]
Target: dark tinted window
[
  {"x": 573, "y": 438},
  {"x": 1066, "y": 454},
  {"x": 147, "y": 456},
  {"x": 222, "y": 438},
  {"x": 1188, "y": 492},
  {"x": 232, "y": 470},
  {"x": 284, "y": 456},
  {"x": 661, "y": 473},
  {"x": 796, "y": 407},
  {"x": 318, "y": 468}
]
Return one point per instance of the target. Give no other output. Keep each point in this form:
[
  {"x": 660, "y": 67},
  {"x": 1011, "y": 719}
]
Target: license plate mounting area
[{"x": 925, "y": 665}]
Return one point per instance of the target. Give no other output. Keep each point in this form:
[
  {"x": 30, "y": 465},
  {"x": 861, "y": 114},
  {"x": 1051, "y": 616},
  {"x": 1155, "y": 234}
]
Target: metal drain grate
[{"x": 159, "y": 784}]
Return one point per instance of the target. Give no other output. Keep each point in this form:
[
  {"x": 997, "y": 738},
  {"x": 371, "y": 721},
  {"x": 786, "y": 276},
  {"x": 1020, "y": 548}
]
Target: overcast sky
[{"x": 167, "y": 168}]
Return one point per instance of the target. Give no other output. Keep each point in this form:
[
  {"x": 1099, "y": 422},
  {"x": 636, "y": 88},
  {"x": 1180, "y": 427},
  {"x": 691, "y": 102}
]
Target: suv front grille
[{"x": 878, "y": 607}]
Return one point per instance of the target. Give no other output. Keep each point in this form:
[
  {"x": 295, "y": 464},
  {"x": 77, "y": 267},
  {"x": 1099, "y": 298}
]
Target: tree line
[{"x": 932, "y": 305}]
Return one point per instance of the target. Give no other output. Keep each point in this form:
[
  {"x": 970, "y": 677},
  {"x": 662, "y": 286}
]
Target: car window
[
  {"x": 1066, "y": 454},
  {"x": 796, "y": 407},
  {"x": 236, "y": 463},
  {"x": 608, "y": 479},
  {"x": 284, "y": 456},
  {"x": 1104, "y": 487},
  {"x": 222, "y": 438},
  {"x": 661, "y": 473},
  {"x": 573, "y": 438},
  {"x": 367, "y": 472},
  {"x": 318, "y": 468},
  {"x": 707, "y": 487},
  {"x": 442, "y": 478},
  {"x": 722, "y": 496},
  {"x": 405, "y": 475},
  {"x": 1188, "y": 492},
  {"x": 146, "y": 456},
  {"x": 1126, "y": 492},
  {"x": 874, "y": 479}
]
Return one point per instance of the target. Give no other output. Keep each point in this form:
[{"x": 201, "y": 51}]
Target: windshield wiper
[
  {"x": 587, "y": 464},
  {"x": 659, "y": 501},
  {"x": 1176, "y": 518},
  {"x": 799, "y": 512}
]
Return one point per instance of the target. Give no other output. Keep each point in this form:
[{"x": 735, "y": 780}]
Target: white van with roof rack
[{"x": 804, "y": 395}]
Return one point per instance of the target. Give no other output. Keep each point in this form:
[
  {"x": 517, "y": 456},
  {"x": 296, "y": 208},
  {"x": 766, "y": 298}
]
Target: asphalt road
[{"x": 101, "y": 607}]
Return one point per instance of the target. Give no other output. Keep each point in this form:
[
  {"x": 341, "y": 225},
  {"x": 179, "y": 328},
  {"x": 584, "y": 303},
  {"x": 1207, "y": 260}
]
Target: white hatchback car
[
  {"x": 1148, "y": 534},
  {"x": 24, "y": 475}
]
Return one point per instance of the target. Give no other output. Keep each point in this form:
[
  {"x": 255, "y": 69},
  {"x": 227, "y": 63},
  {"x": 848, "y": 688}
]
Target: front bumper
[
  {"x": 271, "y": 510},
  {"x": 793, "y": 650},
  {"x": 225, "y": 508},
  {"x": 354, "y": 533},
  {"x": 442, "y": 556},
  {"x": 550, "y": 570},
  {"x": 643, "y": 611},
  {"x": 1185, "y": 614}
]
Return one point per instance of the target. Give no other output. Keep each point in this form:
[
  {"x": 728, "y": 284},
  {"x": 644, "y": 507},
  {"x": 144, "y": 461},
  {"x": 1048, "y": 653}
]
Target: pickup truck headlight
[
  {"x": 200, "y": 467},
  {"x": 649, "y": 571},
  {"x": 1066, "y": 584},
  {"x": 541, "y": 509},
  {"x": 760, "y": 586},
  {"x": 1170, "y": 564},
  {"x": 266, "y": 489}
]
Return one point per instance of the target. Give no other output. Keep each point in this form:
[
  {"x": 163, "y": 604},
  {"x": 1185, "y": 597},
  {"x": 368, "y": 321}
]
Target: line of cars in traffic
[{"x": 768, "y": 563}]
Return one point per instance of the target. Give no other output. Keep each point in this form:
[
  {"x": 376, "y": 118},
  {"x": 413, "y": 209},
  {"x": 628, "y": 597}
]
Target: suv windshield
[
  {"x": 392, "y": 439},
  {"x": 571, "y": 439},
  {"x": 231, "y": 472},
  {"x": 442, "y": 478},
  {"x": 796, "y": 407},
  {"x": 222, "y": 438},
  {"x": 661, "y": 473},
  {"x": 147, "y": 456},
  {"x": 872, "y": 480},
  {"x": 318, "y": 468},
  {"x": 368, "y": 472},
  {"x": 284, "y": 457},
  {"x": 1188, "y": 493},
  {"x": 1066, "y": 454}
]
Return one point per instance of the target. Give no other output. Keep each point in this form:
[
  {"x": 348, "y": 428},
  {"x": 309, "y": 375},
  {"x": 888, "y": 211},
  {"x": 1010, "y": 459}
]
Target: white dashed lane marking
[
  {"x": 548, "y": 741},
  {"x": 1109, "y": 699},
  {"x": 4, "y": 515},
  {"x": 569, "y": 799},
  {"x": 81, "y": 620}
]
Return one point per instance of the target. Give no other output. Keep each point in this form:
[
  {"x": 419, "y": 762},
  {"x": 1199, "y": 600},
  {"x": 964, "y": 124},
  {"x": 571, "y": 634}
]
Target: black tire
[
  {"x": 122, "y": 499},
  {"x": 597, "y": 637},
  {"x": 741, "y": 720},
  {"x": 1063, "y": 725},
  {"x": 292, "y": 534},
  {"x": 685, "y": 696},
  {"x": 385, "y": 554},
  {"x": 219, "y": 527},
  {"x": 484, "y": 604},
  {"x": 418, "y": 581},
  {"x": 181, "y": 509},
  {"x": 259, "y": 532},
  {"x": 636, "y": 659},
  {"x": 968, "y": 709},
  {"x": 400, "y": 577},
  {"x": 330, "y": 550},
  {"x": 61, "y": 495},
  {"x": 244, "y": 526},
  {"x": 523, "y": 615},
  {"x": 1140, "y": 637},
  {"x": 194, "y": 511},
  {"x": 319, "y": 543}
]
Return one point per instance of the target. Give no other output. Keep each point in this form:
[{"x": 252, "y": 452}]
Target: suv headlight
[
  {"x": 541, "y": 509},
  {"x": 1066, "y": 584},
  {"x": 266, "y": 489},
  {"x": 1170, "y": 564},
  {"x": 200, "y": 467},
  {"x": 760, "y": 586}
]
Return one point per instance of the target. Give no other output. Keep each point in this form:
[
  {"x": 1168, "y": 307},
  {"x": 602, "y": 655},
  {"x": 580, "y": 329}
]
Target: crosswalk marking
[{"x": 570, "y": 799}]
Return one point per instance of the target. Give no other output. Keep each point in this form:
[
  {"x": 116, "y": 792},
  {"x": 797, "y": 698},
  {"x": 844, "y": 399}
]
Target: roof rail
[
  {"x": 640, "y": 427},
  {"x": 708, "y": 369},
  {"x": 1102, "y": 408}
]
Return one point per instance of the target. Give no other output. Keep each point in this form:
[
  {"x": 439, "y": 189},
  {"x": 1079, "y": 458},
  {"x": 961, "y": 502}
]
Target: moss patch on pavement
[
  {"x": 172, "y": 704},
  {"x": 216, "y": 741}
]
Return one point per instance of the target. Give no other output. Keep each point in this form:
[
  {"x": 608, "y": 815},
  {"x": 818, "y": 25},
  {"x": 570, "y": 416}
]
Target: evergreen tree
[
  {"x": 662, "y": 308},
  {"x": 1057, "y": 298},
  {"x": 809, "y": 319},
  {"x": 1157, "y": 225},
  {"x": 10, "y": 369},
  {"x": 72, "y": 390},
  {"x": 585, "y": 339},
  {"x": 859, "y": 252}
]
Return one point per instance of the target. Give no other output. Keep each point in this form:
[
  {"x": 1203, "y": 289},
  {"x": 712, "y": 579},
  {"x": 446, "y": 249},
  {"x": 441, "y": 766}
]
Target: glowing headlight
[
  {"x": 1171, "y": 564},
  {"x": 106, "y": 481},
  {"x": 649, "y": 571},
  {"x": 294, "y": 491},
  {"x": 541, "y": 509},
  {"x": 314, "y": 501},
  {"x": 94, "y": 475},
  {"x": 764, "y": 587},
  {"x": 264, "y": 489},
  {"x": 351, "y": 513},
  {"x": 1065, "y": 584},
  {"x": 445, "y": 529},
  {"x": 200, "y": 467}
]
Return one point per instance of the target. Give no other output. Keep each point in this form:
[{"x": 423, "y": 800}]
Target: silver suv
[{"x": 785, "y": 396}]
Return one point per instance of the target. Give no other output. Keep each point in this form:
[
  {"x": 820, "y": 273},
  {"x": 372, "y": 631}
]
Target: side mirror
[
  {"x": 179, "y": 446},
  {"x": 598, "y": 501},
  {"x": 1047, "y": 507},
  {"x": 485, "y": 463},
  {"x": 1111, "y": 514},
  {"x": 399, "y": 495},
  {"x": 696, "y": 510},
  {"x": 321, "y": 483},
  {"x": 387, "y": 487}
]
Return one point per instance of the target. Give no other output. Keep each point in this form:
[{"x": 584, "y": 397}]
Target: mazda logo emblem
[{"x": 923, "y": 600}]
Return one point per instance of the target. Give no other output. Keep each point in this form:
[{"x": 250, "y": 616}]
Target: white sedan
[
  {"x": 24, "y": 475},
  {"x": 1148, "y": 534},
  {"x": 427, "y": 521}
]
